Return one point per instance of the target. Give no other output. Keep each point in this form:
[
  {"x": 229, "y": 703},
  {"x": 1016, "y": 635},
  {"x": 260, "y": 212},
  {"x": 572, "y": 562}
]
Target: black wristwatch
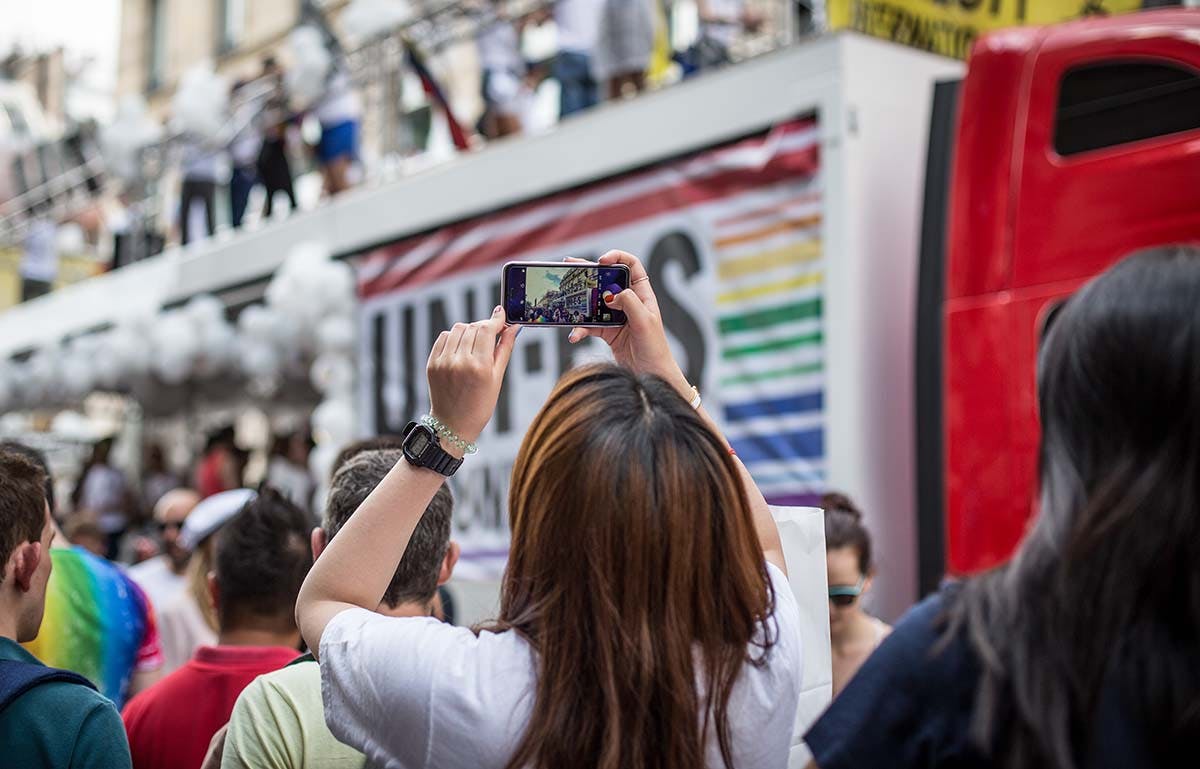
[{"x": 423, "y": 449}]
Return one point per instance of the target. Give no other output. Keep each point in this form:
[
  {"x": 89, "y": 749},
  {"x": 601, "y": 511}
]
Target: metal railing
[{"x": 377, "y": 68}]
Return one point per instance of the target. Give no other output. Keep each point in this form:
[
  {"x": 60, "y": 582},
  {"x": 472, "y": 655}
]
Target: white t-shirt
[
  {"x": 578, "y": 22},
  {"x": 499, "y": 48},
  {"x": 158, "y": 581},
  {"x": 340, "y": 102},
  {"x": 414, "y": 693},
  {"x": 725, "y": 32},
  {"x": 39, "y": 260},
  {"x": 182, "y": 630}
]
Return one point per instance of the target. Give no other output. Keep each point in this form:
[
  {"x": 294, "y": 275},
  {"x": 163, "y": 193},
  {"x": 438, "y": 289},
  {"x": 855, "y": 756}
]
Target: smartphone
[{"x": 563, "y": 293}]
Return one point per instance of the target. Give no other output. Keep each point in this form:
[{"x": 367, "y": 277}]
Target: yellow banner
[{"x": 949, "y": 27}]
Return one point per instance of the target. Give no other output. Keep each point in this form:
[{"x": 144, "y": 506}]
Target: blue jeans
[
  {"x": 573, "y": 71},
  {"x": 240, "y": 184}
]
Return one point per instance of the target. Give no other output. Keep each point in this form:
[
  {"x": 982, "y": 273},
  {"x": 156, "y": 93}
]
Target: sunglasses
[{"x": 845, "y": 595}]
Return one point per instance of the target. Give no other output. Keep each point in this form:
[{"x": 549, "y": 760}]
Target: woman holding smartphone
[{"x": 645, "y": 618}]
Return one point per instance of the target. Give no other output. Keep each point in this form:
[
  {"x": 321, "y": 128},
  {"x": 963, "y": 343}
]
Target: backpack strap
[{"x": 16, "y": 678}]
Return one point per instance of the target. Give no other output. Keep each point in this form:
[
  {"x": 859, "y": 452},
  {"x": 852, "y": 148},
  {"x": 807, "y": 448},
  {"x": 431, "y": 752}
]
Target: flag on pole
[{"x": 436, "y": 95}]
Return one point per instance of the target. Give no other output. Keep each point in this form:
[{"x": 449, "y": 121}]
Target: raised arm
[
  {"x": 466, "y": 369},
  {"x": 641, "y": 345}
]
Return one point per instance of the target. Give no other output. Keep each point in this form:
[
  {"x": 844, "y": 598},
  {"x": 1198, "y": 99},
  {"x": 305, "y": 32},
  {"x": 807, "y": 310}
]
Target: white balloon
[
  {"x": 365, "y": 19},
  {"x": 205, "y": 308},
  {"x": 333, "y": 421},
  {"x": 333, "y": 375},
  {"x": 311, "y": 61},
  {"x": 176, "y": 346},
  {"x": 69, "y": 239},
  {"x": 122, "y": 140},
  {"x": 132, "y": 350},
  {"x": 78, "y": 376},
  {"x": 201, "y": 103},
  {"x": 258, "y": 322},
  {"x": 43, "y": 376},
  {"x": 218, "y": 347},
  {"x": 258, "y": 359},
  {"x": 336, "y": 334}
]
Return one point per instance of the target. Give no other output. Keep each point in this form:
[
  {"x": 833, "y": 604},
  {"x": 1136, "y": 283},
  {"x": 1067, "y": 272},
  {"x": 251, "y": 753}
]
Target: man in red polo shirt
[{"x": 261, "y": 559}]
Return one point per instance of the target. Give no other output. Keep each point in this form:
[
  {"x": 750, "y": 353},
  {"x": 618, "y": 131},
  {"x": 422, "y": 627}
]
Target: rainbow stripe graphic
[
  {"x": 98, "y": 622},
  {"x": 770, "y": 279}
]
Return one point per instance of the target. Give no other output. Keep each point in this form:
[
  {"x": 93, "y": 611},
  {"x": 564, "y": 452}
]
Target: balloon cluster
[
  {"x": 123, "y": 139},
  {"x": 307, "y": 316},
  {"x": 311, "y": 62},
  {"x": 366, "y": 19},
  {"x": 201, "y": 103}
]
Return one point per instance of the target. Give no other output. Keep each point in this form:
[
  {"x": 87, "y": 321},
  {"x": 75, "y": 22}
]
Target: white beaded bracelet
[{"x": 432, "y": 422}]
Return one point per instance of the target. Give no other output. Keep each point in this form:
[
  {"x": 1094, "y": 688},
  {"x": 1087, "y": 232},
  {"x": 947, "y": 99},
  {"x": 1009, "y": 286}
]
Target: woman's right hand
[{"x": 641, "y": 344}]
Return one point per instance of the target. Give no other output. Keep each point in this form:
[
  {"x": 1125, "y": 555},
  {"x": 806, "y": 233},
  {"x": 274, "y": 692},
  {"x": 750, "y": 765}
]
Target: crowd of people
[
  {"x": 262, "y": 130},
  {"x": 645, "y": 617},
  {"x": 606, "y": 48}
]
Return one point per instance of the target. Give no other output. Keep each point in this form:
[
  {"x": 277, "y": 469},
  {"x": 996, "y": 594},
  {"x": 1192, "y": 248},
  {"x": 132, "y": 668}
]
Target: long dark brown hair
[
  {"x": 1100, "y": 608},
  {"x": 636, "y": 574}
]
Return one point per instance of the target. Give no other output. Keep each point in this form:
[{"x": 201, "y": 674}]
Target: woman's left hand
[{"x": 466, "y": 369}]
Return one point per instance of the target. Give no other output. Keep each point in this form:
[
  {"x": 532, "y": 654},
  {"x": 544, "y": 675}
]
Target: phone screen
[{"x": 563, "y": 294}]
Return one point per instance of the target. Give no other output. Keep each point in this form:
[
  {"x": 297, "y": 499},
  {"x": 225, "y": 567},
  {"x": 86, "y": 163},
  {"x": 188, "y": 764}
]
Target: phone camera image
[{"x": 567, "y": 295}]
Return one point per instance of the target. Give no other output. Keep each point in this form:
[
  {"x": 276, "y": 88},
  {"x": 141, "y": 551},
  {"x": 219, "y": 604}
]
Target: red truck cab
[{"x": 1075, "y": 145}]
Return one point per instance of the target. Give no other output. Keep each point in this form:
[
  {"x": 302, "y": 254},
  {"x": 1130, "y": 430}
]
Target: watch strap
[{"x": 433, "y": 456}]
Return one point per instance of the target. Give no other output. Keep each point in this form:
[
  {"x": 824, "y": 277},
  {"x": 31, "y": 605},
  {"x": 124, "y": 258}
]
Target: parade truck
[
  {"x": 1063, "y": 149},
  {"x": 854, "y": 245}
]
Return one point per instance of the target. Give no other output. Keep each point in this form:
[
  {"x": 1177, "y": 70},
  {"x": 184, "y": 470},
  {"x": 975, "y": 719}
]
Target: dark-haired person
[
  {"x": 48, "y": 718},
  {"x": 261, "y": 558},
  {"x": 103, "y": 492},
  {"x": 853, "y": 633},
  {"x": 1082, "y": 652},
  {"x": 645, "y": 615},
  {"x": 278, "y": 722}
]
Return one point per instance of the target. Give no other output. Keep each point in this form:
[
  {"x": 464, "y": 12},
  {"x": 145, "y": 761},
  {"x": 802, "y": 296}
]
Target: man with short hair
[
  {"x": 97, "y": 622},
  {"x": 162, "y": 577},
  {"x": 260, "y": 562},
  {"x": 279, "y": 722},
  {"x": 48, "y": 717}
]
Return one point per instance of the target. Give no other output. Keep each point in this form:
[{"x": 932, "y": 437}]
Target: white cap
[{"x": 211, "y": 514}]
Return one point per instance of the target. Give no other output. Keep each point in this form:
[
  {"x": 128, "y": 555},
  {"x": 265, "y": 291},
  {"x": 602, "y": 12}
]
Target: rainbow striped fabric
[
  {"x": 771, "y": 338},
  {"x": 98, "y": 623}
]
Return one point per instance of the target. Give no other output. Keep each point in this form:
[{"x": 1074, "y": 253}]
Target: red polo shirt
[{"x": 171, "y": 723}]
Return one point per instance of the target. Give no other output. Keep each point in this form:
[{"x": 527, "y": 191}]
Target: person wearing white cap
[
  {"x": 164, "y": 575},
  {"x": 188, "y": 621}
]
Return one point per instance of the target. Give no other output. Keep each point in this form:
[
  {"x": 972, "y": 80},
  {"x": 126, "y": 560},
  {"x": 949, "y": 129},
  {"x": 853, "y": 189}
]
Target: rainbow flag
[{"x": 98, "y": 623}]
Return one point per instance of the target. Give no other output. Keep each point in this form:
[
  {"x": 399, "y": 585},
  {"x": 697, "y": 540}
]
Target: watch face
[{"x": 418, "y": 442}]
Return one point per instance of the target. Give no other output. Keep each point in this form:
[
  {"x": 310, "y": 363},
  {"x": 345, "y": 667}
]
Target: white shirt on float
[
  {"x": 500, "y": 48},
  {"x": 340, "y": 103},
  {"x": 725, "y": 32},
  {"x": 578, "y": 23},
  {"x": 415, "y": 693}
]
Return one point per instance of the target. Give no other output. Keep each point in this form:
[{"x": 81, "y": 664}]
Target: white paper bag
[{"x": 802, "y": 530}]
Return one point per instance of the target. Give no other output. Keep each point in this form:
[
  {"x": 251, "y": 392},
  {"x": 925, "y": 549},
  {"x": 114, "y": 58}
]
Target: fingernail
[
  {"x": 498, "y": 309},
  {"x": 608, "y": 298},
  {"x": 572, "y": 337}
]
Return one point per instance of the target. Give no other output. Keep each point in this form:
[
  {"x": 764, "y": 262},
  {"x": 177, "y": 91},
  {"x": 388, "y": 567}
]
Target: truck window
[{"x": 1117, "y": 102}]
